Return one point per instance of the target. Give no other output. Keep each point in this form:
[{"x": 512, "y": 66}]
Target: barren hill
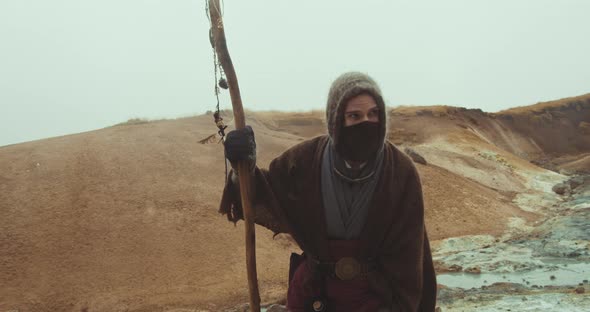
[
  {"x": 548, "y": 130},
  {"x": 125, "y": 218}
]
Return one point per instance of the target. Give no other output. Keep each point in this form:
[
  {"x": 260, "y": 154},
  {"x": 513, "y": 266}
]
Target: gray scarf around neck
[{"x": 347, "y": 193}]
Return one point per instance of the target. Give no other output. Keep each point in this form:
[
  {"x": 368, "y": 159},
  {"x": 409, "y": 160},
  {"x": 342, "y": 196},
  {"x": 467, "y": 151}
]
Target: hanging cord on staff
[{"x": 220, "y": 81}]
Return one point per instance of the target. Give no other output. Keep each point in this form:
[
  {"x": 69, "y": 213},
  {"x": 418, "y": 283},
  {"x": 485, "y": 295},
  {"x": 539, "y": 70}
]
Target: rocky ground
[
  {"x": 544, "y": 266},
  {"x": 539, "y": 267}
]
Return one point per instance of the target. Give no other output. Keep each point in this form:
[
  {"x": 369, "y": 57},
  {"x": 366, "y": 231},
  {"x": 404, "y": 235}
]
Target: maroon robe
[{"x": 288, "y": 200}]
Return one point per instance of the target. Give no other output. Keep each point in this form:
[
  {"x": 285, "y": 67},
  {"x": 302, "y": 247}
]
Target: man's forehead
[
  {"x": 353, "y": 107},
  {"x": 361, "y": 102}
]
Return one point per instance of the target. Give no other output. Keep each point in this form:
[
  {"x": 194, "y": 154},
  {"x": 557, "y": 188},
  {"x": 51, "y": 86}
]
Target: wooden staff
[{"x": 243, "y": 166}]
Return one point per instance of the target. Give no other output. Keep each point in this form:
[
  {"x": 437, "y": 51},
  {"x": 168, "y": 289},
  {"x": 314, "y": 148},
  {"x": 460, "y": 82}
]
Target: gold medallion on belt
[{"x": 347, "y": 268}]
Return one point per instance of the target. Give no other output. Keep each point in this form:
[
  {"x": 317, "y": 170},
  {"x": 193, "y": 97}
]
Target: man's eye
[{"x": 354, "y": 116}]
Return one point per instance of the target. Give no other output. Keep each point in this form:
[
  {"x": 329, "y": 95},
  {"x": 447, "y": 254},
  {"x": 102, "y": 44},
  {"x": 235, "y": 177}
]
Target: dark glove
[{"x": 240, "y": 145}]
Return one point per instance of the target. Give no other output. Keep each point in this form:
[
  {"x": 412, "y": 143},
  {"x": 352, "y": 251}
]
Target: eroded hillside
[{"x": 543, "y": 133}]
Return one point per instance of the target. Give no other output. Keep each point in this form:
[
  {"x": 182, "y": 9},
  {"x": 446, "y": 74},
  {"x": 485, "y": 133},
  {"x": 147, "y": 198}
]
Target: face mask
[{"x": 359, "y": 142}]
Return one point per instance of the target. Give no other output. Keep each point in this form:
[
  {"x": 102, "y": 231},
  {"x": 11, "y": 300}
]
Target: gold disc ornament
[{"x": 347, "y": 268}]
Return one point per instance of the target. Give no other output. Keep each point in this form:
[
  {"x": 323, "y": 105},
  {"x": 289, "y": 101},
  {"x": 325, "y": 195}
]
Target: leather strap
[{"x": 347, "y": 268}]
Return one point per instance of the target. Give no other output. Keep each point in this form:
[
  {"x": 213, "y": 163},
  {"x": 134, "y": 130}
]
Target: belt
[{"x": 345, "y": 269}]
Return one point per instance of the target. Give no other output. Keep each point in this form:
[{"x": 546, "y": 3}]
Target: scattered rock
[
  {"x": 580, "y": 290},
  {"x": 417, "y": 158},
  {"x": 473, "y": 298},
  {"x": 473, "y": 270},
  {"x": 455, "y": 268},
  {"x": 575, "y": 182},
  {"x": 585, "y": 281},
  {"x": 573, "y": 254},
  {"x": 565, "y": 172},
  {"x": 560, "y": 188},
  {"x": 552, "y": 277}
]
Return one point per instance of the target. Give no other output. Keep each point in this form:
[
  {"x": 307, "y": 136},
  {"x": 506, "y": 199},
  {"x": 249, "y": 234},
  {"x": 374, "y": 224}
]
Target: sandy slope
[{"x": 125, "y": 218}]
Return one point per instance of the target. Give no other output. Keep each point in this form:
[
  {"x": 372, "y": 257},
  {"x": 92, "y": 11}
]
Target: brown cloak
[{"x": 288, "y": 200}]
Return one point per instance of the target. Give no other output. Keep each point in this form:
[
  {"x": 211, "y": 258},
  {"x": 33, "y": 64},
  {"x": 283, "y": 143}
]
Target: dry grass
[
  {"x": 315, "y": 113},
  {"x": 542, "y": 106},
  {"x": 142, "y": 121},
  {"x": 133, "y": 121},
  {"x": 414, "y": 110}
]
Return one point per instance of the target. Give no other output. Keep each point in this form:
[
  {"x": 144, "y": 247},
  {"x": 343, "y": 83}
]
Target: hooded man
[{"x": 352, "y": 202}]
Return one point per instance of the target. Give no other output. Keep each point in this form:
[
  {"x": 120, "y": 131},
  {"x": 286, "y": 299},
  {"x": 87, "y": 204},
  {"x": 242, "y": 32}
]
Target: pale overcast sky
[{"x": 68, "y": 66}]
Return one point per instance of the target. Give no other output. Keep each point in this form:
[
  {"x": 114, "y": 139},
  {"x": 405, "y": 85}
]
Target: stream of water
[{"x": 572, "y": 274}]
